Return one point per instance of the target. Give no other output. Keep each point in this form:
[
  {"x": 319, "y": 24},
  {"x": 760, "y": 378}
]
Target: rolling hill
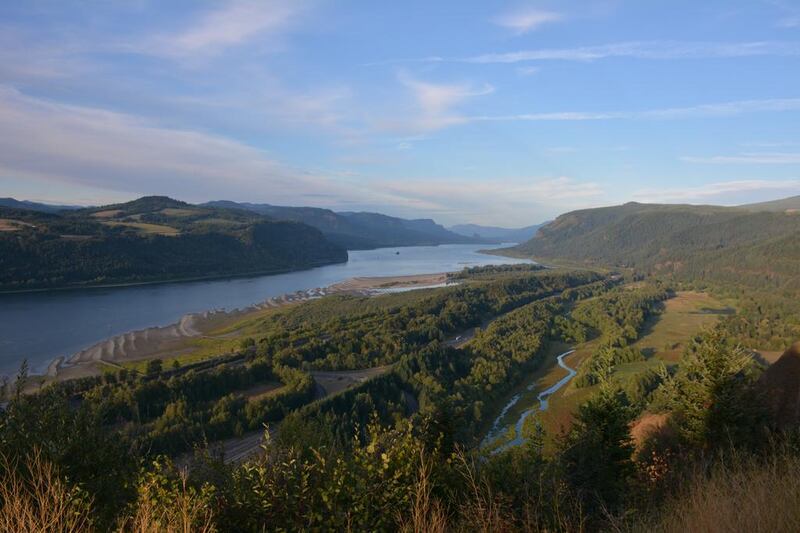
[
  {"x": 150, "y": 239},
  {"x": 13, "y": 203},
  {"x": 733, "y": 244},
  {"x": 360, "y": 231}
]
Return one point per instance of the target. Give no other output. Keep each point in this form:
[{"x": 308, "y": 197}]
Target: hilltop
[
  {"x": 360, "y": 230},
  {"x": 785, "y": 204},
  {"x": 150, "y": 239},
  {"x": 13, "y": 203},
  {"x": 497, "y": 233},
  {"x": 692, "y": 242}
]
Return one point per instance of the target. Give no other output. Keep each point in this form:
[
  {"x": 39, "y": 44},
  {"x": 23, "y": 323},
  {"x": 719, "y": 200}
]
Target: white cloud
[
  {"x": 92, "y": 147},
  {"x": 434, "y": 103},
  {"x": 527, "y": 71},
  {"x": 525, "y": 20},
  {"x": 233, "y": 24},
  {"x": 751, "y": 158},
  {"x": 716, "y": 190},
  {"x": 437, "y": 99},
  {"x": 723, "y": 109},
  {"x": 646, "y": 50},
  {"x": 89, "y": 150},
  {"x": 501, "y": 201},
  {"x": 661, "y": 50}
]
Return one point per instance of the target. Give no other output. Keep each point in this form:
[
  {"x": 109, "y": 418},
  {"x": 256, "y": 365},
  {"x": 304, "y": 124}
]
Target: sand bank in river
[
  {"x": 391, "y": 282},
  {"x": 156, "y": 341}
]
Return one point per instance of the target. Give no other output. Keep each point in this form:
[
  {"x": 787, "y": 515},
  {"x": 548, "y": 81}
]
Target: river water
[
  {"x": 44, "y": 325},
  {"x": 542, "y": 398}
]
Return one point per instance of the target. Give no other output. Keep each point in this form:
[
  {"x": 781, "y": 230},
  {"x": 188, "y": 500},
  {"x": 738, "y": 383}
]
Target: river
[{"x": 41, "y": 326}]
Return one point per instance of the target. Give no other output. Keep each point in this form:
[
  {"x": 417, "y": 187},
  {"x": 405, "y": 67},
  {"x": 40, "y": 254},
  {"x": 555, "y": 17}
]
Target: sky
[{"x": 462, "y": 111}]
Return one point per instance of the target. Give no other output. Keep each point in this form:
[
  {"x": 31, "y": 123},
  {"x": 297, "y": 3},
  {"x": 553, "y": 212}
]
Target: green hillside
[
  {"x": 697, "y": 242},
  {"x": 150, "y": 239},
  {"x": 785, "y": 204}
]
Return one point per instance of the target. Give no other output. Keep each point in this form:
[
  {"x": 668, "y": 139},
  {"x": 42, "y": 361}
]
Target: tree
[
  {"x": 154, "y": 367},
  {"x": 711, "y": 399},
  {"x": 596, "y": 455}
]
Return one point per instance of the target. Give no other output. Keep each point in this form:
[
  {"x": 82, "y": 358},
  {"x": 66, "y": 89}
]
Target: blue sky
[{"x": 486, "y": 112}]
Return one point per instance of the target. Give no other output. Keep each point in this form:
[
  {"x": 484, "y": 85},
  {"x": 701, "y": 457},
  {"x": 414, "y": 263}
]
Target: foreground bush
[{"x": 741, "y": 494}]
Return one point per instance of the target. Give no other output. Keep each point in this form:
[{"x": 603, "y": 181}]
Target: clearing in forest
[{"x": 662, "y": 339}]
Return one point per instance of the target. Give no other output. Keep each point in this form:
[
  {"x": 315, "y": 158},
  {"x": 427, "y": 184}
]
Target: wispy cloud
[
  {"x": 233, "y": 24},
  {"x": 504, "y": 201},
  {"x": 645, "y": 50},
  {"x": 524, "y": 20},
  {"x": 434, "y": 103},
  {"x": 751, "y": 158},
  {"x": 527, "y": 71},
  {"x": 723, "y": 109},
  {"x": 657, "y": 50},
  {"x": 91, "y": 147},
  {"x": 716, "y": 190},
  {"x": 789, "y": 14}
]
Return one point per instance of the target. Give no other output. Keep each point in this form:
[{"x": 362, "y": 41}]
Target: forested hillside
[
  {"x": 150, "y": 239},
  {"x": 784, "y": 204},
  {"x": 760, "y": 248},
  {"x": 357, "y": 231}
]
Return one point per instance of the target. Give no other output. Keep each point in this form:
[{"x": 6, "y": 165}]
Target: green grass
[
  {"x": 665, "y": 335},
  {"x": 663, "y": 339},
  {"x": 143, "y": 227}
]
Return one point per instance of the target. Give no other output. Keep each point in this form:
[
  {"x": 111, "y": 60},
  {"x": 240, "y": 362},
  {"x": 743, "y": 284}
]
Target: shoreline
[
  {"x": 148, "y": 343},
  {"x": 217, "y": 277},
  {"x": 213, "y": 277}
]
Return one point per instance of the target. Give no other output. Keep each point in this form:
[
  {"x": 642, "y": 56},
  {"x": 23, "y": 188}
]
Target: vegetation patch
[
  {"x": 150, "y": 229},
  {"x": 665, "y": 335},
  {"x": 108, "y": 213}
]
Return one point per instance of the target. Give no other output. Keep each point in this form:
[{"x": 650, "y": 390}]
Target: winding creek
[{"x": 497, "y": 426}]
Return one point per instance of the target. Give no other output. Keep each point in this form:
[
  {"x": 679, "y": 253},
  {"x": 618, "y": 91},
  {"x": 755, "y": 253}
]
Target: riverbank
[
  {"x": 164, "y": 281},
  {"x": 507, "y": 429},
  {"x": 174, "y": 339},
  {"x": 44, "y": 325}
]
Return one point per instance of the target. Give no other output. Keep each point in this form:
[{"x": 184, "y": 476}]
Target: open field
[
  {"x": 178, "y": 212},
  {"x": 6, "y": 224},
  {"x": 390, "y": 282},
  {"x": 663, "y": 339},
  {"x": 335, "y": 382},
  {"x": 154, "y": 229},
  {"x": 262, "y": 390},
  {"x": 9, "y": 224},
  {"x": 665, "y": 335},
  {"x": 108, "y": 213}
]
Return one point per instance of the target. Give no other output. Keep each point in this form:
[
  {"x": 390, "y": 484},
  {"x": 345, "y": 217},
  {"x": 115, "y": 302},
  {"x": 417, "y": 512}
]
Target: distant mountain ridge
[
  {"x": 153, "y": 238},
  {"x": 518, "y": 235},
  {"x": 736, "y": 244},
  {"x": 13, "y": 203},
  {"x": 359, "y": 230}
]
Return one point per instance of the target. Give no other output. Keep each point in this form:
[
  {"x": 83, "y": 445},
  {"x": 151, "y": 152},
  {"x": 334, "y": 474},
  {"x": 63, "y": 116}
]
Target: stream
[{"x": 542, "y": 398}]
